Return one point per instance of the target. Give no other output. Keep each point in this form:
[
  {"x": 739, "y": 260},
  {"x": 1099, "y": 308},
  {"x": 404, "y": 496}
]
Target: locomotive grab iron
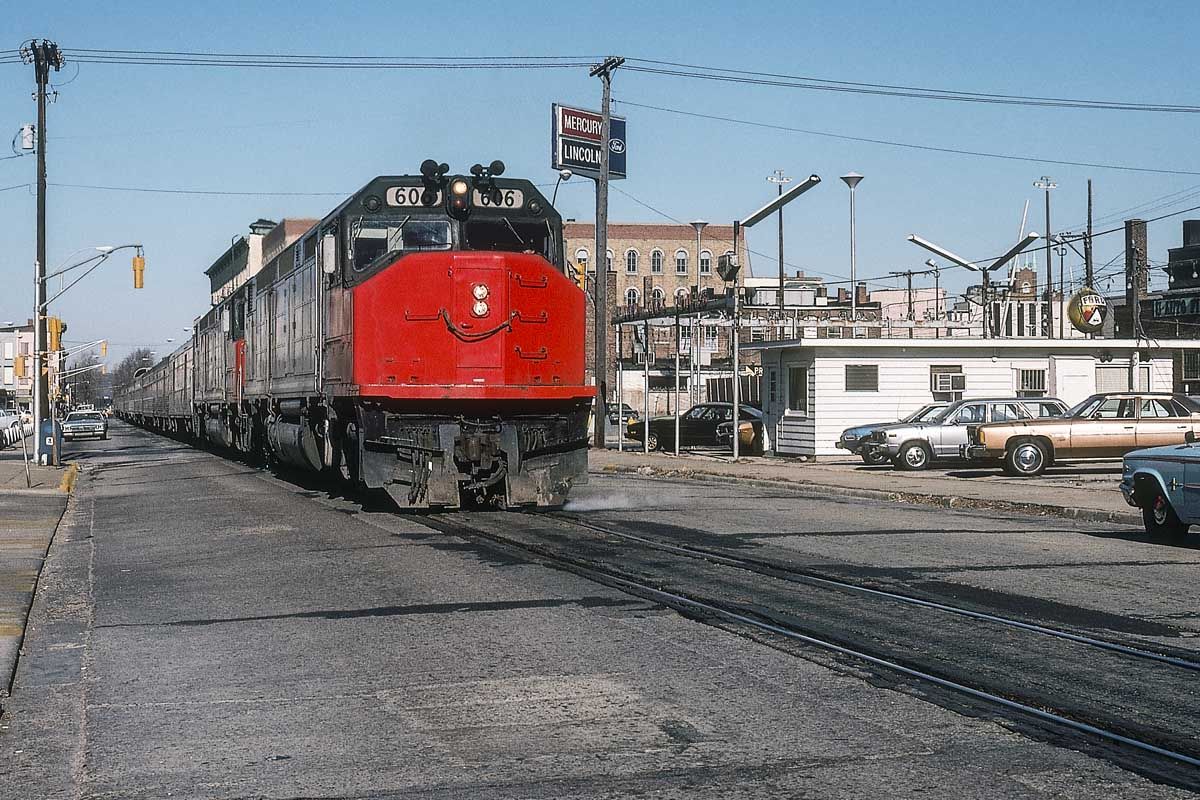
[{"x": 423, "y": 339}]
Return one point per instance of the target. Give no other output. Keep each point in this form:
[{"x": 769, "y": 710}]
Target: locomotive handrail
[
  {"x": 480, "y": 336},
  {"x": 538, "y": 320}
]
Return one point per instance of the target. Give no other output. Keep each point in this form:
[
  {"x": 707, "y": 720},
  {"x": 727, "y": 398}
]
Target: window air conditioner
[{"x": 949, "y": 382}]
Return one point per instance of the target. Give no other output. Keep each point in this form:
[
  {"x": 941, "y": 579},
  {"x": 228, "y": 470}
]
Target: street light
[
  {"x": 563, "y": 175},
  {"x": 694, "y": 367},
  {"x": 779, "y": 179},
  {"x": 852, "y": 179},
  {"x": 937, "y": 291},
  {"x": 1047, "y": 184},
  {"x": 1029, "y": 239}
]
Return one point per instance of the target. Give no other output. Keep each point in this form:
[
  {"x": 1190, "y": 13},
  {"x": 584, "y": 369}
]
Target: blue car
[
  {"x": 852, "y": 438},
  {"x": 1157, "y": 480}
]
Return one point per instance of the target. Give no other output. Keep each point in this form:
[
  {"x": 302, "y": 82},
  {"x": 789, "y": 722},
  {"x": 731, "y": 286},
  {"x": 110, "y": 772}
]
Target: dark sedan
[{"x": 697, "y": 426}]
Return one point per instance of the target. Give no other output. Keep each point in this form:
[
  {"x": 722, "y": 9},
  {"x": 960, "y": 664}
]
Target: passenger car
[
  {"x": 1102, "y": 426},
  {"x": 697, "y": 426},
  {"x": 749, "y": 431},
  {"x": 1158, "y": 480},
  {"x": 913, "y": 446},
  {"x": 852, "y": 439},
  {"x": 84, "y": 424}
]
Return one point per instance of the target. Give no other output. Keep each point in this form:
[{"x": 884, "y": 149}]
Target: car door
[
  {"x": 1110, "y": 431},
  {"x": 947, "y": 438},
  {"x": 691, "y": 424},
  {"x": 1159, "y": 422}
]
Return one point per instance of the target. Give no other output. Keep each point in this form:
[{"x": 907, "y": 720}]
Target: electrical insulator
[
  {"x": 139, "y": 268},
  {"x": 28, "y": 135}
]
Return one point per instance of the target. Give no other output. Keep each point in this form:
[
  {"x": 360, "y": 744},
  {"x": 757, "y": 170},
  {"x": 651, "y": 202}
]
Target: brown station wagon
[{"x": 1102, "y": 426}]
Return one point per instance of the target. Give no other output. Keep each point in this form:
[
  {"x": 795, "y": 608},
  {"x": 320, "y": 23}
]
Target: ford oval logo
[{"x": 616, "y": 145}]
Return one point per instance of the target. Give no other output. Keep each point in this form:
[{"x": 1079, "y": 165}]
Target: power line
[
  {"x": 202, "y": 192},
  {"x": 906, "y": 145},
  {"x": 14, "y": 186},
  {"x": 700, "y": 72}
]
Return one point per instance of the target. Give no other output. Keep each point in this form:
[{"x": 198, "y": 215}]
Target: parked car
[
  {"x": 84, "y": 424},
  {"x": 697, "y": 426},
  {"x": 1156, "y": 480},
  {"x": 914, "y": 446},
  {"x": 749, "y": 431},
  {"x": 627, "y": 413},
  {"x": 1102, "y": 426},
  {"x": 852, "y": 438}
]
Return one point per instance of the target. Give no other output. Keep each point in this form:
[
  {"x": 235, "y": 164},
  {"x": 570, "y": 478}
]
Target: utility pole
[
  {"x": 1062, "y": 256},
  {"x": 604, "y": 71},
  {"x": 44, "y": 55},
  {"x": 1087, "y": 243},
  {"x": 779, "y": 179},
  {"x": 1047, "y": 184},
  {"x": 908, "y": 275}
]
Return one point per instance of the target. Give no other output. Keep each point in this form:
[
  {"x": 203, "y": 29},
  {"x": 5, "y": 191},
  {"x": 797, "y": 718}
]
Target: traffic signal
[
  {"x": 139, "y": 269},
  {"x": 103, "y": 349},
  {"x": 55, "y": 328},
  {"x": 19, "y": 366},
  {"x": 579, "y": 272}
]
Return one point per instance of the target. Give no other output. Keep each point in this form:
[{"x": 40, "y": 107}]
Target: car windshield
[
  {"x": 944, "y": 414},
  {"x": 925, "y": 413},
  {"x": 88, "y": 417}
]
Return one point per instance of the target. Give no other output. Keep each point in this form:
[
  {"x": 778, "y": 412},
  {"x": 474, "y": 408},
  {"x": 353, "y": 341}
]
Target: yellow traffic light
[
  {"x": 580, "y": 274},
  {"x": 55, "y": 328},
  {"x": 139, "y": 269},
  {"x": 19, "y": 366},
  {"x": 103, "y": 349}
]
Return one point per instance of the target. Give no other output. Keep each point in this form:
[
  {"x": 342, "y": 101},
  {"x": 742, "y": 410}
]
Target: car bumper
[
  {"x": 979, "y": 452},
  {"x": 852, "y": 446},
  {"x": 1127, "y": 491}
]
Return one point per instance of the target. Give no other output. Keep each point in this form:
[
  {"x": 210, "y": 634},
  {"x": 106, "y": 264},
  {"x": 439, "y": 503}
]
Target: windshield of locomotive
[
  {"x": 510, "y": 235},
  {"x": 376, "y": 239}
]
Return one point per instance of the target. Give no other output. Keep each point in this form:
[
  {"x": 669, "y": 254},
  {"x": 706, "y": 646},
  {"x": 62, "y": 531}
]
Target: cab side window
[
  {"x": 968, "y": 415},
  {"x": 1115, "y": 408},
  {"x": 1153, "y": 409}
]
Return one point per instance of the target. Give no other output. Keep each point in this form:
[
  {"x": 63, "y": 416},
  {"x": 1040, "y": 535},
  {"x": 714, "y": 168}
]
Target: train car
[{"x": 422, "y": 339}]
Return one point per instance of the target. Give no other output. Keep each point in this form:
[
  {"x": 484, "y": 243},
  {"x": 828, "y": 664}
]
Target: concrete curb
[
  {"x": 936, "y": 500},
  {"x": 67, "y": 483}
]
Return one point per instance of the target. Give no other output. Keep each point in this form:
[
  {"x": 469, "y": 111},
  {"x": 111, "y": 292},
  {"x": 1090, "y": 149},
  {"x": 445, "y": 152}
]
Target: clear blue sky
[{"x": 329, "y": 131}]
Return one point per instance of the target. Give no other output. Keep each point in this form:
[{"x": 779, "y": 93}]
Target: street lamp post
[
  {"x": 852, "y": 179},
  {"x": 694, "y": 367},
  {"x": 1029, "y": 239},
  {"x": 779, "y": 179},
  {"x": 1047, "y": 184},
  {"x": 937, "y": 290},
  {"x": 563, "y": 175}
]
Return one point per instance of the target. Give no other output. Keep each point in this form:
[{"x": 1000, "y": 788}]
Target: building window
[
  {"x": 656, "y": 261},
  {"x": 631, "y": 259},
  {"x": 631, "y": 297},
  {"x": 772, "y": 386},
  {"x": 681, "y": 296},
  {"x": 947, "y": 382},
  {"x": 705, "y": 262},
  {"x": 8, "y": 376},
  {"x": 681, "y": 262},
  {"x": 798, "y": 389},
  {"x": 1191, "y": 365},
  {"x": 581, "y": 258},
  {"x": 685, "y": 337},
  {"x": 758, "y": 334},
  {"x": 610, "y": 262},
  {"x": 862, "y": 377},
  {"x": 710, "y": 337},
  {"x": 1031, "y": 383},
  {"x": 659, "y": 296},
  {"x": 8, "y": 350}
]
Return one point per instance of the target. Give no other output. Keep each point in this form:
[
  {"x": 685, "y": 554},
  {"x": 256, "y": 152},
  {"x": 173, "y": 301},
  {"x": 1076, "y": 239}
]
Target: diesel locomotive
[{"x": 422, "y": 339}]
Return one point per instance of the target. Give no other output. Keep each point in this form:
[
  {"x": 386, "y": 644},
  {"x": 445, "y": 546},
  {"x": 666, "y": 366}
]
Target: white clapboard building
[{"x": 813, "y": 389}]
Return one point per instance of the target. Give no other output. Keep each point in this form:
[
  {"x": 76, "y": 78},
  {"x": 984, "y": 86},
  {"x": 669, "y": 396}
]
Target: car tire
[
  {"x": 1026, "y": 459},
  {"x": 652, "y": 440},
  {"x": 873, "y": 458},
  {"x": 913, "y": 457},
  {"x": 1160, "y": 519}
]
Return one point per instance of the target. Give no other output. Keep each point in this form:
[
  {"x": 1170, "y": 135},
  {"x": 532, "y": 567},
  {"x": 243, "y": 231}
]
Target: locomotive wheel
[{"x": 346, "y": 467}]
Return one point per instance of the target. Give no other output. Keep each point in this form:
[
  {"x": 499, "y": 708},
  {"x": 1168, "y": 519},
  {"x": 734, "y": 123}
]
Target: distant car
[
  {"x": 914, "y": 446},
  {"x": 85, "y": 425},
  {"x": 750, "y": 433},
  {"x": 852, "y": 439},
  {"x": 1102, "y": 426},
  {"x": 627, "y": 413},
  {"x": 697, "y": 426},
  {"x": 1155, "y": 480}
]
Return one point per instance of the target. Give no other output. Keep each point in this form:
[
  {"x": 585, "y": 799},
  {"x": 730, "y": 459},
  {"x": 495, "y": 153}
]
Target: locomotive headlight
[
  {"x": 480, "y": 309},
  {"x": 459, "y": 187},
  {"x": 480, "y": 291}
]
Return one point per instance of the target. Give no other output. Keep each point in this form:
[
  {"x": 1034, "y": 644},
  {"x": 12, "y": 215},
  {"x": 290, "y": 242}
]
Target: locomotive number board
[
  {"x": 509, "y": 198},
  {"x": 408, "y": 196}
]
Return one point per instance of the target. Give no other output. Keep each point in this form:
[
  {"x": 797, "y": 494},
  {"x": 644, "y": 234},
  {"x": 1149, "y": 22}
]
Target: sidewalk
[
  {"x": 28, "y": 519},
  {"x": 1087, "y": 492}
]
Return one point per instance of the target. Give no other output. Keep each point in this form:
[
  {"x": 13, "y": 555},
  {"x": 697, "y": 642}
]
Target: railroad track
[{"x": 1119, "y": 701}]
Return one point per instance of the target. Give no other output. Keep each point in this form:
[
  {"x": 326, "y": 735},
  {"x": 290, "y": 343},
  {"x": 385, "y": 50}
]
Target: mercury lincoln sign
[{"x": 576, "y": 141}]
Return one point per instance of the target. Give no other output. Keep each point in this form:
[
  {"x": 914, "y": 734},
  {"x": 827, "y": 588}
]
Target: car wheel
[
  {"x": 913, "y": 457},
  {"x": 652, "y": 440},
  {"x": 874, "y": 458},
  {"x": 1160, "y": 518},
  {"x": 1026, "y": 459}
]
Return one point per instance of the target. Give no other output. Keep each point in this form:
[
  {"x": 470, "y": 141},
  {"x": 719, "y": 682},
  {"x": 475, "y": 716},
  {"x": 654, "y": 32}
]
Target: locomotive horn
[
  {"x": 496, "y": 168},
  {"x": 429, "y": 168},
  {"x": 477, "y": 170}
]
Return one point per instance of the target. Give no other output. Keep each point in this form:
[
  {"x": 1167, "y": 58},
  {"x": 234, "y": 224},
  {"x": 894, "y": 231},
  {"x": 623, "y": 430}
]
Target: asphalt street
[{"x": 206, "y": 629}]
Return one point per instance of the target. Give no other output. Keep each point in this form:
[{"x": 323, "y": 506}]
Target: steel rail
[
  {"x": 801, "y": 576},
  {"x": 678, "y": 601}
]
